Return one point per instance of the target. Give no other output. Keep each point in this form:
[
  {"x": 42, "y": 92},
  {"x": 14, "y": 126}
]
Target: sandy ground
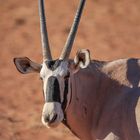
[{"x": 110, "y": 29}]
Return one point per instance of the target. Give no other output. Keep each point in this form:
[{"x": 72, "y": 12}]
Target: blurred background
[{"x": 109, "y": 29}]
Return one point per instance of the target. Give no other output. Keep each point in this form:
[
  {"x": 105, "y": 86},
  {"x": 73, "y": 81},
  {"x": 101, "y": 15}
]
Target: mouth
[{"x": 51, "y": 125}]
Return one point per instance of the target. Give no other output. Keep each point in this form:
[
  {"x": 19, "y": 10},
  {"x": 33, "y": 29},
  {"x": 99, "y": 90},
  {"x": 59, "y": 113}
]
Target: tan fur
[{"x": 105, "y": 101}]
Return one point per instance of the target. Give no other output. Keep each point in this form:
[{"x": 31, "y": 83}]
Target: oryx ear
[
  {"x": 25, "y": 65},
  {"x": 82, "y": 58}
]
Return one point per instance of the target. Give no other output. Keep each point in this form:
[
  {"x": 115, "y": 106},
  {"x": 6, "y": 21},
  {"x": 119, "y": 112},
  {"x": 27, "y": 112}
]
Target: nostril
[
  {"x": 54, "y": 117},
  {"x": 46, "y": 119}
]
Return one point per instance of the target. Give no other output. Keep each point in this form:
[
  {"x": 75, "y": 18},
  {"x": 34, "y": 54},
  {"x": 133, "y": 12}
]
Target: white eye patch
[{"x": 45, "y": 71}]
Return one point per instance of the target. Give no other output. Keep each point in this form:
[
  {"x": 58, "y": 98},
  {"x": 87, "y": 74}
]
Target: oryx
[{"x": 97, "y": 100}]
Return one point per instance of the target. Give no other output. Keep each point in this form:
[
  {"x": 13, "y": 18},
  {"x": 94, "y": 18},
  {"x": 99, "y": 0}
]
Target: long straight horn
[
  {"x": 69, "y": 43},
  {"x": 44, "y": 35}
]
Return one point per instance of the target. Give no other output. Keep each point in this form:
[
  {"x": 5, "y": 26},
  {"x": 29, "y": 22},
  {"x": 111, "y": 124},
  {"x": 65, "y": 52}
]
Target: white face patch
[
  {"x": 51, "y": 109},
  {"x": 60, "y": 71}
]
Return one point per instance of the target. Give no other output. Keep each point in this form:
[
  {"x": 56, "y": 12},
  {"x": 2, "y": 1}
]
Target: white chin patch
[{"x": 50, "y": 109}]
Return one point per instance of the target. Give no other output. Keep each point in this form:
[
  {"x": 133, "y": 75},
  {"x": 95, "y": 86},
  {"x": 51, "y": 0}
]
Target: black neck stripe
[{"x": 64, "y": 104}]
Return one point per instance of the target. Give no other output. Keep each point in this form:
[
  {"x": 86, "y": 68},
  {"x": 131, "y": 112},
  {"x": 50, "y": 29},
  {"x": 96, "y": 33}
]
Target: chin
[{"x": 51, "y": 125}]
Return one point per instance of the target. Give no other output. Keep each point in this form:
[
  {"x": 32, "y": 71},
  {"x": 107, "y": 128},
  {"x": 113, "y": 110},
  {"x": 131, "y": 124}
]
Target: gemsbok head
[{"x": 55, "y": 73}]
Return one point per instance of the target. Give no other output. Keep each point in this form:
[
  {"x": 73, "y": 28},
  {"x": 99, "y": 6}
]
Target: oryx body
[
  {"x": 105, "y": 101},
  {"x": 96, "y": 100}
]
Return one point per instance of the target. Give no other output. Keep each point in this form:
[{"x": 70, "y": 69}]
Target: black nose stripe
[{"x": 53, "y": 90}]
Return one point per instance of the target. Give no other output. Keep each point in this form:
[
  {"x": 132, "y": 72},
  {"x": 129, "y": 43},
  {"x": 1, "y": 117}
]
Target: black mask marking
[
  {"x": 53, "y": 90},
  {"x": 52, "y": 65}
]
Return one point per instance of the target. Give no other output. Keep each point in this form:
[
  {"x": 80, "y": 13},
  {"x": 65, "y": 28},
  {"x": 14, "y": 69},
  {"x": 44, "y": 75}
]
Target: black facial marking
[
  {"x": 52, "y": 65},
  {"x": 64, "y": 104},
  {"x": 53, "y": 90}
]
